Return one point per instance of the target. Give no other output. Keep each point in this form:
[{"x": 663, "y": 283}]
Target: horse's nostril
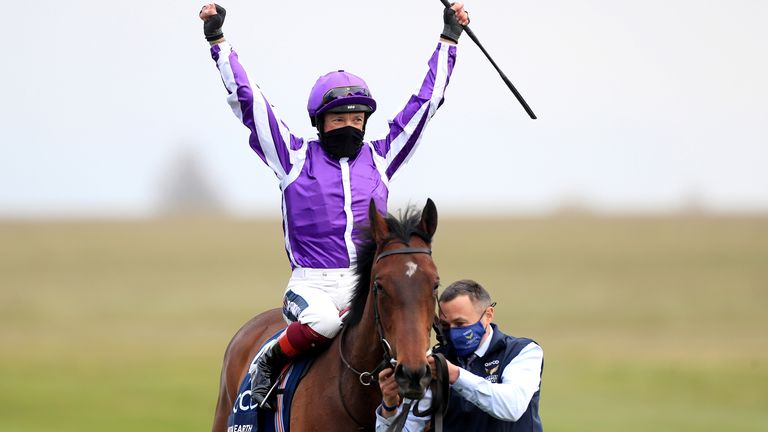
[
  {"x": 411, "y": 377},
  {"x": 413, "y": 382},
  {"x": 400, "y": 375},
  {"x": 422, "y": 371}
]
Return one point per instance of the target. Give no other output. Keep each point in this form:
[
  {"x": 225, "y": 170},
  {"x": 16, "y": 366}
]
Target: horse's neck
[
  {"x": 341, "y": 402},
  {"x": 362, "y": 343}
]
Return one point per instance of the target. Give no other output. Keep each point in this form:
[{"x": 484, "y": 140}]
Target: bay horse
[{"x": 339, "y": 392}]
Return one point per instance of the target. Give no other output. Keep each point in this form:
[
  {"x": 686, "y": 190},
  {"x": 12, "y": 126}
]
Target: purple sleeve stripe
[
  {"x": 215, "y": 54},
  {"x": 215, "y": 50},
  {"x": 407, "y": 150},
  {"x": 296, "y": 142},
  {"x": 244, "y": 103},
  {"x": 429, "y": 82},
  {"x": 400, "y": 125},
  {"x": 451, "y": 59},
  {"x": 446, "y": 56},
  {"x": 283, "y": 155}
]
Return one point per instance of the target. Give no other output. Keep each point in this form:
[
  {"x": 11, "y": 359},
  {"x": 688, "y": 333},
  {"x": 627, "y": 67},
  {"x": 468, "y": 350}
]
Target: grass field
[{"x": 647, "y": 324}]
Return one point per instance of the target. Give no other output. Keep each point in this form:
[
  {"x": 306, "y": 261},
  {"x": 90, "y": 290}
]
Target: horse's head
[{"x": 404, "y": 281}]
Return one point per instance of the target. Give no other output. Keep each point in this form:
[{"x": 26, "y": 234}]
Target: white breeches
[{"x": 319, "y": 298}]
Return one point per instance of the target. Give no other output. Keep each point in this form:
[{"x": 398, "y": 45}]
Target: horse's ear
[
  {"x": 428, "y": 222},
  {"x": 379, "y": 228}
]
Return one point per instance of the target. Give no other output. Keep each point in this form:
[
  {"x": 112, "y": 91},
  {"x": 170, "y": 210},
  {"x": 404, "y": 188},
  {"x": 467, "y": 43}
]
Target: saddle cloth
[{"x": 246, "y": 417}]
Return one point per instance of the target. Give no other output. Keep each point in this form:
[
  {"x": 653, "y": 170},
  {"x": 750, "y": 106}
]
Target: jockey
[{"x": 326, "y": 182}]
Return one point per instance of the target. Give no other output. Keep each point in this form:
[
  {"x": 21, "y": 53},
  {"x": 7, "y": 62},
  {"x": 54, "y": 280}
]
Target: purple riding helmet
[{"x": 339, "y": 91}]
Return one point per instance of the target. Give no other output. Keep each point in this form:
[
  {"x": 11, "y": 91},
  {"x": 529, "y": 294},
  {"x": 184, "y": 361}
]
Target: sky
[{"x": 643, "y": 106}]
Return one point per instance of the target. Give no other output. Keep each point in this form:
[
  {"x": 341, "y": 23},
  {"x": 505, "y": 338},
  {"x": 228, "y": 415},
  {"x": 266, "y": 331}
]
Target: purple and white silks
[{"x": 325, "y": 200}]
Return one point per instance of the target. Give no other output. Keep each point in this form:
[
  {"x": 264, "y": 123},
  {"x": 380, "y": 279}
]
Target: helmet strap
[{"x": 320, "y": 122}]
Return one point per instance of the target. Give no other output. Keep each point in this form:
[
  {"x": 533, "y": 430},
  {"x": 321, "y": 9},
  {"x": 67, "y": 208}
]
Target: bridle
[
  {"x": 366, "y": 378},
  {"x": 388, "y": 360},
  {"x": 388, "y": 357}
]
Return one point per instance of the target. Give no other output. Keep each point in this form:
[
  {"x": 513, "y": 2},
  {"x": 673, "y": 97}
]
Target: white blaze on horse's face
[{"x": 412, "y": 267}]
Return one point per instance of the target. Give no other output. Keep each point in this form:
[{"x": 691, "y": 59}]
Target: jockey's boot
[
  {"x": 298, "y": 339},
  {"x": 268, "y": 369}
]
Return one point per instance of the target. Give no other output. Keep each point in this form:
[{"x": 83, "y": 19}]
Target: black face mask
[{"x": 343, "y": 142}]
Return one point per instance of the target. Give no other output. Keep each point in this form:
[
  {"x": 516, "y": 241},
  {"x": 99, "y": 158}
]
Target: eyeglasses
[{"x": 338, "y": 92}]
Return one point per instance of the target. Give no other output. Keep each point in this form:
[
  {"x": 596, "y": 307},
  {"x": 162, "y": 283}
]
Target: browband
[{"x": 408, "y": 250}]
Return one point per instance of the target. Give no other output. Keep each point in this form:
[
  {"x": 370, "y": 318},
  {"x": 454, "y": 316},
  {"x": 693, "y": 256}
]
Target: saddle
[{"x": 247, "y": 417}]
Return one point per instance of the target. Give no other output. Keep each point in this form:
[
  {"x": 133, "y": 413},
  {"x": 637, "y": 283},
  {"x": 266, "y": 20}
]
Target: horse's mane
[{"x": 400, "y": 229}]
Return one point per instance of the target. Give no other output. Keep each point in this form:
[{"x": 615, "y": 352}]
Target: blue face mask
[{"x": 466, "y": 339}]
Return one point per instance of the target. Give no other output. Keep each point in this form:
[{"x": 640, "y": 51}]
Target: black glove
[
  {"x": 452, "y": 29},
  {"x": 212, "y": 26}
]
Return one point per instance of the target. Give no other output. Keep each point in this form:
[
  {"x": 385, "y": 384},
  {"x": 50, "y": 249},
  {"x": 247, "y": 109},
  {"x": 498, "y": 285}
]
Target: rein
[{"x": 366, "y": 378}]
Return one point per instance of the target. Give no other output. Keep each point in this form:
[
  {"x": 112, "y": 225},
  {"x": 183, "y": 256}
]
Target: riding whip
[{"x": 509, "y": 84}]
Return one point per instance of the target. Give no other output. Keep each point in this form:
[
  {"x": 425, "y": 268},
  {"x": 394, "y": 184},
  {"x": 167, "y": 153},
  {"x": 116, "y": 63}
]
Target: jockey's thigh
[{"x": 318, "y": 298}]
